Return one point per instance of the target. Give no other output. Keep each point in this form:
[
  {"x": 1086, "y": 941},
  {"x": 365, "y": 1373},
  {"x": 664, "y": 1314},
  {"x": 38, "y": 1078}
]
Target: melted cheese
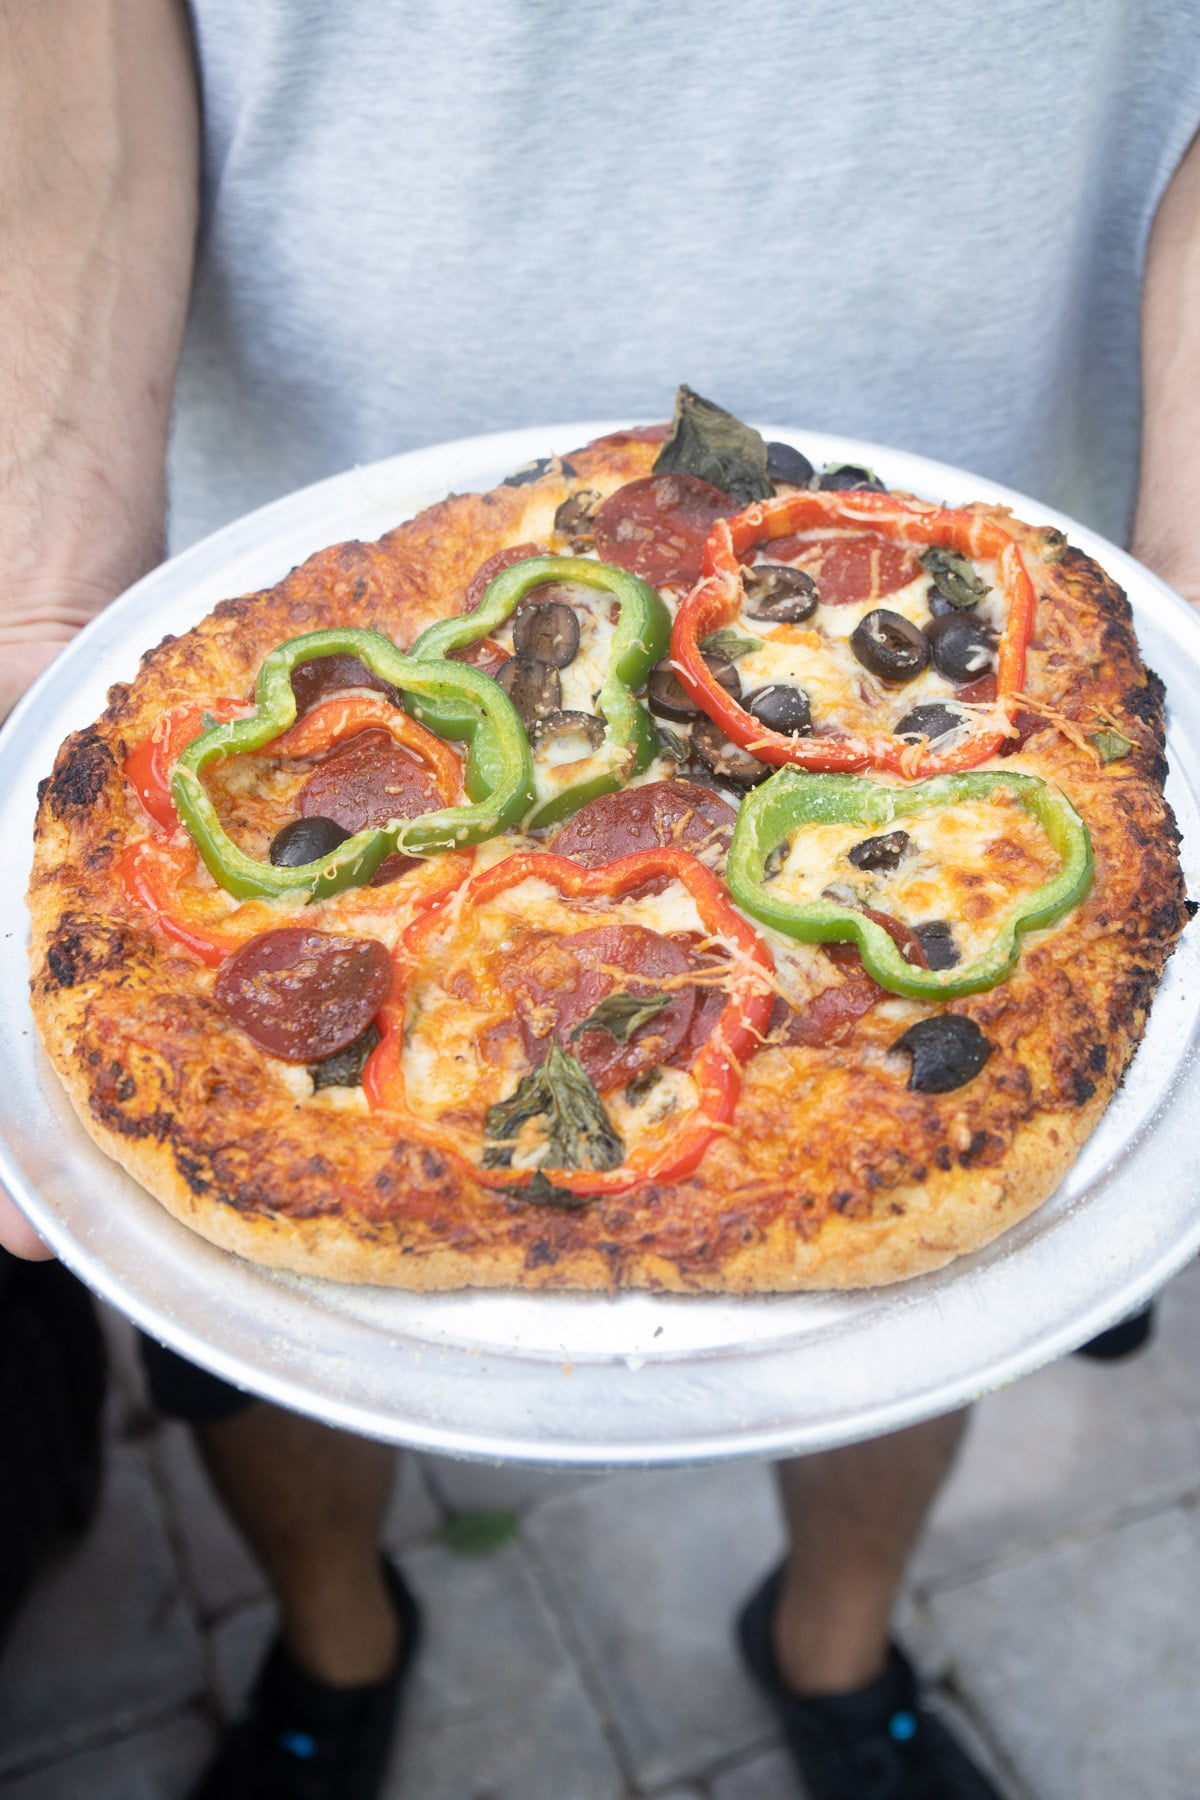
[{"x": 973, "y": 864}]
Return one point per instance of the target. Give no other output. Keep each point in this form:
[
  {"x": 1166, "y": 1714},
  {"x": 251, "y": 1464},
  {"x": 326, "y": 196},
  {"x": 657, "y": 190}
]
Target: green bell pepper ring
[
  {"x": 793, "y": 799},
  {"x": 499, "y": 802},
  {"x": 641, "y": 639}
]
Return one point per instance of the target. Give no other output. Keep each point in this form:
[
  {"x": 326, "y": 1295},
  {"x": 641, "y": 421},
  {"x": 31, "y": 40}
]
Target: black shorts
[{"x": 180, "y": 1390}]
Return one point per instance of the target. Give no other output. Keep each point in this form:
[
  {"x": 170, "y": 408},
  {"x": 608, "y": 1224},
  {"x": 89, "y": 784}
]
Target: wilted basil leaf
[
  {"x": 707, "y": 441},
  {"x": 729, "y": 643},
  {"x": 622, "y": 1014},
  {"x": 955, "y": 576},
  {"x": 344, "y": 1068},
  {"x": 672, "y": 744},
  {"x": 579, "y": 1133},
  {"x": 1111, "y": 743}
]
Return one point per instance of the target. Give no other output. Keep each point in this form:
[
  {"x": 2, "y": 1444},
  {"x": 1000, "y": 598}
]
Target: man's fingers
[{"x": 18, "y": 1235}]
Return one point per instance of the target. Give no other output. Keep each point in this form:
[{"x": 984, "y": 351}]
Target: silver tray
[{"x": 585, "y": 1379}]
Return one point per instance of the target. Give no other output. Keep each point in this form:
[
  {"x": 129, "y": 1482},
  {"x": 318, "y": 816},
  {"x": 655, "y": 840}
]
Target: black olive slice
[
  {"x": 585, "y": 726},
  {"x": 786, "y": 464},
  {"x": 532, "y": 686},
  {"x": 883, "y": 852},
  {"x": 344, "y": 1068},
  {"x": 938, "y": 604},
  {"x": 836, "y": 477},
  {"x": 776, "y": 592},
  {"x": 775, "y": 859},
  {"x": 936, "y": 938},
  {"x": 781, "y": 707},
  {"x": 533, "y": 471},
  {"x": 305, "y": 841},
  {"x": 947, "y": 1051},
  {"x": 547, "y": 631},
  {"x": 667, "y": 697},
  {"x": 727, "y": 760},
  {"x": 962, "y": 648},
  {"x": 932, "y": 721},
  {"x": 890, "y": 646}
]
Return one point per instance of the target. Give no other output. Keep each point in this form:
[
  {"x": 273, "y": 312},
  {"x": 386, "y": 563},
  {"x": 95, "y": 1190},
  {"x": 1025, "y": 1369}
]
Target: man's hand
[
  {"x": 99, "y": 160},
  {"x": 1166, "y": 533}
]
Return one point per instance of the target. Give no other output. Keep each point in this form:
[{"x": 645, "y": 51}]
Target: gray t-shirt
[{"x": 923, "y": 225}]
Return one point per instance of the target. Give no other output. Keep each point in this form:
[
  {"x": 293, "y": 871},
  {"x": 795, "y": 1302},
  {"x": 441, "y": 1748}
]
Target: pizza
[{"x": 678, "y": 867}]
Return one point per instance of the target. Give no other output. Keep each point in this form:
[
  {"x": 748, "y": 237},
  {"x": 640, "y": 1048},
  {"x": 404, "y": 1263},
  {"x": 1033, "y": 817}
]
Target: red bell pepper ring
[
  {"x": 717, "y": 1070},
  {"x": 149, "y": 764},
  {"x": 715, "y": 600}
]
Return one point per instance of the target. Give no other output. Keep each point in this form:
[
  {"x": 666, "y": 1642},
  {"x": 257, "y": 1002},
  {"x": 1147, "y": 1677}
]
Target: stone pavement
[{"x": 1055, "y": 1602}]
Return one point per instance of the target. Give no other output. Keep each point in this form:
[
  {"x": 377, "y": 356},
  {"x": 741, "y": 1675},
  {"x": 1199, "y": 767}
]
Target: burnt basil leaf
[
  {"x": 344, "y": 1068},
  {"x": 1111, "y": 744},
  {"x": 579, "y": 1133},
  {"x": 622, "y": 1014},
  {"x": 707, "y": 441},
  {"x": 539, "y": 1191},
  {"x": 955, "y": 576},
  {"x": 729, "y": 643}
]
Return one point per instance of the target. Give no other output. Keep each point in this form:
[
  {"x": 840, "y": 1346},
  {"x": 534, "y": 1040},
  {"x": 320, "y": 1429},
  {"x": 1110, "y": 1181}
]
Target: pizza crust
[{"x": 833, "y": 1175}]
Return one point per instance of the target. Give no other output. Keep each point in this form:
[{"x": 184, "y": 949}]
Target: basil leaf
[
  {"x": 729, "y": 643},
  {"x": 344, "y": 1068},
  {"x": 621, "y": 1014},
  {"x": 539, "y": 1191},
  {"x": 476, "y": 1533},
  {"x": 707, "y": 441},
  {"x": 956, "y": 578},
  {"x": 579, "y": 1133},
  {"x": 1111, "y": 743}
]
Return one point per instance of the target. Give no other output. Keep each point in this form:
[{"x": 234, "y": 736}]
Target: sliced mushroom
[
  {"x": 779, "y": 593},
  {"x": 947, "y": 1051},
  {"x": 547, "y": 631},
  {"x": 884, "y": 852},
  {"x": 781, "y": 706},
  {"x": 725, "y": 759},
  {"x": 890, "y": 646},
  {"x": 533, "y": 687}
]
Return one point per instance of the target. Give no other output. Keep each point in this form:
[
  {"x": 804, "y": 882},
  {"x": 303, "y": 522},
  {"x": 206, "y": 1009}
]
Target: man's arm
[
  {"x": 99, "y": 158},
  {"x": 1166, "y": 533}
]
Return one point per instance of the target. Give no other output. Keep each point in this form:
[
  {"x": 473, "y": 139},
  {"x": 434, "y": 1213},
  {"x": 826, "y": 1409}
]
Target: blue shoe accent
[
  {"x": 902, "y": 1726},
  {"x": 298, "y": 1743}
]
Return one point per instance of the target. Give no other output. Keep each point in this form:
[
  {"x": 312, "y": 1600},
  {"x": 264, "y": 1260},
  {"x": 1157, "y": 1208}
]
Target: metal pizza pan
[{"x": 630, "y": 1379}]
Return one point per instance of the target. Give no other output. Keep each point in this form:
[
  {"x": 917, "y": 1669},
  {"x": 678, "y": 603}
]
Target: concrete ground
[{"x": 1055, "y": 1605}]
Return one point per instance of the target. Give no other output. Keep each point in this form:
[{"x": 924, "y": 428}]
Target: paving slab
[
  {"x": 1082, "y": 1661},
  {"x": 159, "y": 1764},
  {"x": 765, "y": 1775},
  {"x": 468, "y": 1486},
  {"x": 647, "y": 1573},
  {"x": 1177, "y": 1339},
  {"x": 1069, "y": 1448},
  {"x": 105, "y": 1643}
]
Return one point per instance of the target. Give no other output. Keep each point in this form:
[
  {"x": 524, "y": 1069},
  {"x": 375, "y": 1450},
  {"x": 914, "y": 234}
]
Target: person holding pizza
[{"x": 246, "y": 248}]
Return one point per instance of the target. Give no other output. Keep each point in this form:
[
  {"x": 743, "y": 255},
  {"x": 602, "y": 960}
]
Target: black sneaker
[
  {"x": 878, "y": 1743},
  {"x": 301, "y": 1740}
]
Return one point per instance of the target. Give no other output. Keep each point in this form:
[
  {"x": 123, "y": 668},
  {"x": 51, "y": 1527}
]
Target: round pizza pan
[{"x": 630, "y": 1379}]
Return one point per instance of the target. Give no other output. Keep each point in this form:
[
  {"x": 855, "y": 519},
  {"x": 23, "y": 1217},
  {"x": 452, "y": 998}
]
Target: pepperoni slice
[
  {"x": 367, "y": 781},
  {"x": 495, "y": 565},
  {"x": 678, "y": 815},
  {"x": 830, "y": 1018},
  {"x": 302, "y": 995},
  {"x": 848, "y": 570},
  {"x": 979, "y": 691},
  {"x": 557, "y": 982},
  {"x": 322, "y": 676},
  {"x": 657, "y": 527}
]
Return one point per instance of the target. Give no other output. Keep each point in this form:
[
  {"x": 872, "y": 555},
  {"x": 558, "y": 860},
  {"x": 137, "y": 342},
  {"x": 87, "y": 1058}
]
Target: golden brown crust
[{"x": 833, "y": 1175}]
